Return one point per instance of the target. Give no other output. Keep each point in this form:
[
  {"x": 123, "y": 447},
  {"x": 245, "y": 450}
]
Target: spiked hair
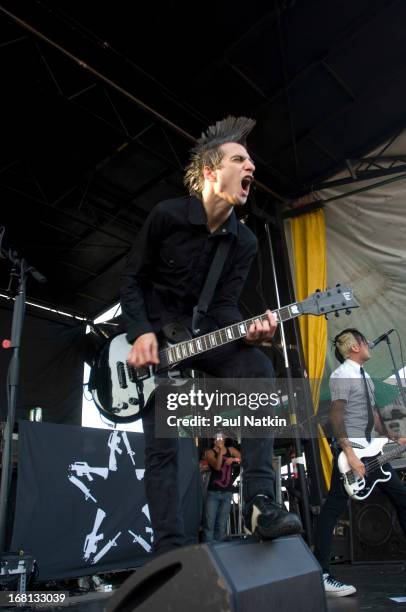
[{"x": 207, "y": 151}]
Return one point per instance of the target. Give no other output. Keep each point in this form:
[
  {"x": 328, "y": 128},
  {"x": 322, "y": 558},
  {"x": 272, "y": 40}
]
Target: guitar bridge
[{"x": 142, "y": 374}]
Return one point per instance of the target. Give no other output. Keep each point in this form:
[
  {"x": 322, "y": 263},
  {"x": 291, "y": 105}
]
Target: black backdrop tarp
[
  {"x": 53, "y": 516},
  {"x": 51, "y": 373}
]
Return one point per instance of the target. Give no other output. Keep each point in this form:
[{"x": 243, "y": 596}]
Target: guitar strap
[{"x": 213, "y": 276}]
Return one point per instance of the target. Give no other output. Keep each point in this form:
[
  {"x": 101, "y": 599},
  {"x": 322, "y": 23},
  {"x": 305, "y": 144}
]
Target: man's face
[
  {"x": 232, "y": 180},
  {"x": 364, "y": 351}
]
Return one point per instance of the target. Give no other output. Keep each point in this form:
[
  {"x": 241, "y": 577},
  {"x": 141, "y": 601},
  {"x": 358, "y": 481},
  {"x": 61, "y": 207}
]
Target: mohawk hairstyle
[
  {"x": 207, "y": 150},
  {"x": 345, "y": 340}
]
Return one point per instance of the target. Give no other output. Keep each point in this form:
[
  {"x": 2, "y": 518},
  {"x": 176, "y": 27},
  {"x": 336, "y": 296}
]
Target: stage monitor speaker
[
  {"x": 243, "y": 575},
  {"x": 376, "y": 535}
]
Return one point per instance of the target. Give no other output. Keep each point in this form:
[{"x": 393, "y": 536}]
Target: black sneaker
[{"x": 268, "y": 520}]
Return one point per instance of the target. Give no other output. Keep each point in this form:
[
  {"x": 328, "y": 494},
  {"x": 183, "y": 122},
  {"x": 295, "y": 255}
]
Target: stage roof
[{"x": 101, "y": 102}]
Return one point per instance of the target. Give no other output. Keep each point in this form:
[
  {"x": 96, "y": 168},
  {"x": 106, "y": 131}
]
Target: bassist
[{"x": 353, "y": 417}]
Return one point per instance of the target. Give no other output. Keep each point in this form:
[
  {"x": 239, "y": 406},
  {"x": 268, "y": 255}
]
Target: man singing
[{"x": 162, "y": 283}]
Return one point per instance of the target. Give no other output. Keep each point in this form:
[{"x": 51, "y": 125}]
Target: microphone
[
  {"x": 40, "y": 278},
  {"x": 379, "y": 339}
]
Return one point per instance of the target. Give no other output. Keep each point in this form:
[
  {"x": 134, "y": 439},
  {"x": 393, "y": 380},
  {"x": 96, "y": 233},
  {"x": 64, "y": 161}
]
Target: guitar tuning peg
[
  {"x": 336, "y": 314},
  {"x": 348, "y": 311},
  {"x": 338, "y": 285},
  {"x": 317, "y": 290},
  {"x": 326, "y": 317}
]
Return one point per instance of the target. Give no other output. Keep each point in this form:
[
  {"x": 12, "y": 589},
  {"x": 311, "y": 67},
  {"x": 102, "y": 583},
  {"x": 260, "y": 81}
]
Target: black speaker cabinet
[
  {"x": 376, "y": 535},
  {"x": 243, "y": 575}
]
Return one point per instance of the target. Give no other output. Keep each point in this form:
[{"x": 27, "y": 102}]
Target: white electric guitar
[
  {"x": 120, "y": 391},
  {"x": 373, "y": 458}
]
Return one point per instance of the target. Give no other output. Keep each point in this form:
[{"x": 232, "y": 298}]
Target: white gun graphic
[
  {"x": 83, "y": 469},
  {"x": 106, "y": 548},
  {"x": 130, "y": 451},
  {"x": 145, "y": 510},
  {"x": 93, "y": 537},
  {"x": 114, "y": 441},
  {"x": 140, "y": 540},
  {"x": 82, "y": 487}
]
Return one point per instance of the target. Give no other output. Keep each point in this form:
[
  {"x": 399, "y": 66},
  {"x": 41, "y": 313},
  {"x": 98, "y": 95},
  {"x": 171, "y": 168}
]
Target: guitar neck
[
  {"x": 392, "y": 454},
  {"x": 176, "y": 353}
]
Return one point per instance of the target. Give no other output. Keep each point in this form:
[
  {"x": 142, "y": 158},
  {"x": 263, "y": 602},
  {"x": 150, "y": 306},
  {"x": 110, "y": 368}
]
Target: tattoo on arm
[{"x": 338, "y": 425}]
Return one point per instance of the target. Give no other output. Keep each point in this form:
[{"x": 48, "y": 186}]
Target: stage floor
[{"x": 375, "y": 585}]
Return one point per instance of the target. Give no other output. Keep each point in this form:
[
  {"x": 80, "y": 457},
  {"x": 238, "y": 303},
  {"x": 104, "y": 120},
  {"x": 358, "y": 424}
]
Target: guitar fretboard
[
  {"x": 176, "y": 353},
  {"x": 392, "y": 454}
]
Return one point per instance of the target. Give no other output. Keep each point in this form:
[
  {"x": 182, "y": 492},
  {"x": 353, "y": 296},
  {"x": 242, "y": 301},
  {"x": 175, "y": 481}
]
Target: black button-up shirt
[{"x": 170, "y": 261}]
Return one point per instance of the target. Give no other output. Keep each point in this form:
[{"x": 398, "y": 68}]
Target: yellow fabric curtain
[{"x": 310, "y": 256}]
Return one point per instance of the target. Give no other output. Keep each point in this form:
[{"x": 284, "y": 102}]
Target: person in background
[
  {"x": 354, "y": 418},
  {"x": 221, "y": 459}
]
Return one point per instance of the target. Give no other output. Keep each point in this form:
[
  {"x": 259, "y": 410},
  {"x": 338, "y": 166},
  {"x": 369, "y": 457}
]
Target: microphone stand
[
  {"x": 396, "y": 372},
  {"x": 304, "y": 494},
  {"x": 20, "y": 270}
]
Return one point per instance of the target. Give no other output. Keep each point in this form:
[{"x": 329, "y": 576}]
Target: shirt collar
[
  {"x": 353, "y": 365},
  {"x": 197, "y": 216}
]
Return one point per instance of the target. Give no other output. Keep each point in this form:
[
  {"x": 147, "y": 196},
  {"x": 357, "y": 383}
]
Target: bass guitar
[
  {"x": 373, "y": 458},
  {"x": 120, "y": 391}
]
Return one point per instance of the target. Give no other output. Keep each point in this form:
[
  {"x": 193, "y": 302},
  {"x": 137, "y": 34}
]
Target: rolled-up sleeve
[{"x": 340, "y": 388}]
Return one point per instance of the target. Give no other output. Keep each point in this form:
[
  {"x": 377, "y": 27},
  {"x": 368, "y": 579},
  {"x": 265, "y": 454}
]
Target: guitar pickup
[
  {"x": 122, "y": 380},
  {"x": 132, "y": 374}
]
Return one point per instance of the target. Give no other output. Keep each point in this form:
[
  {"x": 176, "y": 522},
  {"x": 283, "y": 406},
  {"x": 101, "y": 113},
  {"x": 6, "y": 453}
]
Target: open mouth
[{"x": 246, "y": 183}]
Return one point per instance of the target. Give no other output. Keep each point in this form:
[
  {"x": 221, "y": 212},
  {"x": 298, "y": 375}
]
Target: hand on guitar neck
[
  {"x": 398, "y": 440},
  {"x": 262, "y": 331}
]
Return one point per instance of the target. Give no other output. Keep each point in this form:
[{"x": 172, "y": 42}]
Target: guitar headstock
[{"x": 338, "y": 298}]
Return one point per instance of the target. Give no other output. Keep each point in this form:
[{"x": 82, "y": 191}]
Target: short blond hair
[{"x": 344, "y": 342}]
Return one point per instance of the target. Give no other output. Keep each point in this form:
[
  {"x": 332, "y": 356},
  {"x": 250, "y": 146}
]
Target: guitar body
[
  {"x": 372, "y": 457},
  {"x": 121, "y": 392}
]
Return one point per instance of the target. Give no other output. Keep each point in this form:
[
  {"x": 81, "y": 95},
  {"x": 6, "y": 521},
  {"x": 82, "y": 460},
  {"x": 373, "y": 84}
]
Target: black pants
[
  {"x": 336, "y": 502},
  {"x": 236, "y": 360}
]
